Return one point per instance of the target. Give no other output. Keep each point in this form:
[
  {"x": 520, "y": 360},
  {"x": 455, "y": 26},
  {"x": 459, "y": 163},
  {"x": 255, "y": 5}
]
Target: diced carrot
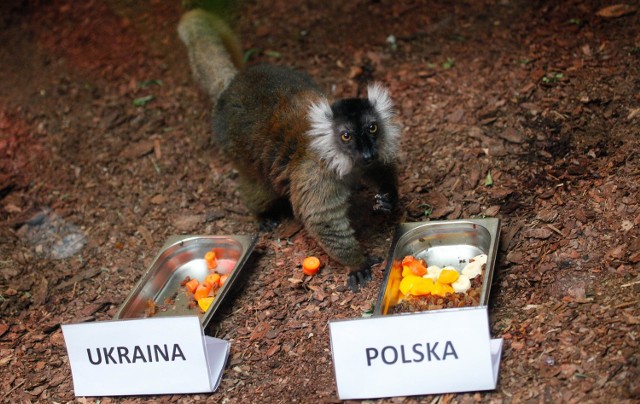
[
  {"x": 408, "y": 260},
  {"x": 417, "y": 268},
  {"x": 223, "y": 279},
  {"x": 213, "y": 279},
  {"x": 202, "y": 290},
  {"x": 310, "y": 265},
  {"x": 192, "y": 285},
  {"x": 210, "y": 258}
]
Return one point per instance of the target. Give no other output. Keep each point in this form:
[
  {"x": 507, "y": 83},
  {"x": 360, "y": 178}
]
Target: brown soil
[{"x": 544, "y": 96}]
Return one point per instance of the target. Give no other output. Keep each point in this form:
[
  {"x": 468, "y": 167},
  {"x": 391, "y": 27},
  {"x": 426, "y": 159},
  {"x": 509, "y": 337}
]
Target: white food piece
[
  {"x": 482, "y": 259},
  {"x": 462, "y": 284},
  {"x": 433, "y": 272},
  {"x": 474, "y": 267}
]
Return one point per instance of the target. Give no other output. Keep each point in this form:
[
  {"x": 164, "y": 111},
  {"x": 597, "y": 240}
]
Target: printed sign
[
  {"x": 442, "y": 351},
  {"x": 164, "y": 355}
]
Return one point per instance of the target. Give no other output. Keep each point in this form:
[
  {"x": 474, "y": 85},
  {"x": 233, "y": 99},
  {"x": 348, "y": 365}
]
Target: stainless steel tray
[
  {"x": 183, "y": 256},
  {"x": 447, "y": 242}
]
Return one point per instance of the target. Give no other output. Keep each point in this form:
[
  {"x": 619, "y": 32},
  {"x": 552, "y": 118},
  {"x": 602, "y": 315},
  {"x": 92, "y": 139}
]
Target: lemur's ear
[{"x": 379, "y": 97}]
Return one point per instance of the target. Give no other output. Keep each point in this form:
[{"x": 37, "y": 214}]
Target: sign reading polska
[
  {"x": 443, "y": 351},
  {"x": 163, "y": 355}
]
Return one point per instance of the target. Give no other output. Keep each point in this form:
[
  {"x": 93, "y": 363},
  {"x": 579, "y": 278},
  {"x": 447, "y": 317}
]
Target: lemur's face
[{"x": 355, "y": 131}]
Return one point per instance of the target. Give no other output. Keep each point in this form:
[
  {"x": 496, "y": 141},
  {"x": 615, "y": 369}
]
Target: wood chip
[
  {"x": 616, "y": 11},
  {"x": 541, "y": 234},
  {"x": 146, "y": 234}
]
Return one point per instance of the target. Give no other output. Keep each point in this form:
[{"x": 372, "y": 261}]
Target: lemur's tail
[{"x": 215, "y": 53}]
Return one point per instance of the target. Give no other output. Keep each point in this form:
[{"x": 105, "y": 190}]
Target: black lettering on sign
[
  {"x": 107, "y": 355},
  {"x": 371, "y": 353},
  {"x": 389, "y": 348},
  {"x": 91, "y": 360},
  {"x": 122, "y": 354},
  {"x": 158, "y": 351},
  {"x": 449, "y": 350},
  {"x": 177, "y": 352},
  {"x": 417, "y": 351},
  {"x": 432, "y": 351},
  {"x": 403, "y": 356},
  {"x": 138, "y": 355}
]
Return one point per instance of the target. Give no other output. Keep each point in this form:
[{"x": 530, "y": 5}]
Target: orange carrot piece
[
  {"x": 192, "y": 285},
  {"x": 213, "y": 279},
  {"x": 210, "y": 258},
  {"x": 202, "y": 290},
  {"x": 310, "y": 266}
]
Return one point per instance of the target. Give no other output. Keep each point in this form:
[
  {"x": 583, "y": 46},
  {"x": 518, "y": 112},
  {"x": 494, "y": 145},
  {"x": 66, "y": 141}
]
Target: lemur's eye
[
  {"x": 345, "y": 136},
  {"x": 373, "y": 127}
]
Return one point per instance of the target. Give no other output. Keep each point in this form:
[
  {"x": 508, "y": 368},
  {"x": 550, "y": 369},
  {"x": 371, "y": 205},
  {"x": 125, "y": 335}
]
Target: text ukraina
[
  {"x": 430, "y": 351},
  {"x": 122, "y": 354}
]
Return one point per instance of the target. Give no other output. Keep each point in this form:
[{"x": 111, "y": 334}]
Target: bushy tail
[{"x": 215, "y": 53}]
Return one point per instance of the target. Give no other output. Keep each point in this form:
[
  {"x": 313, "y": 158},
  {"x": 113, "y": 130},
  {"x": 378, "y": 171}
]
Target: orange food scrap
[
  {"x": 213, "y": 279},
  {"x": 210, "y": 258},
  {"x": 310, "y": 265},
  {"x": 223, "y": 279},
  {"x": 192, "y": 285},
  {"x": 202, "y": 290}
]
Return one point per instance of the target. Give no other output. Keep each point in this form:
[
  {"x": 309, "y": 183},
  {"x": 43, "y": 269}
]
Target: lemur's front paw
[
  {"x": 383, "y": 203},
  {"x": 360, "y": 277}
]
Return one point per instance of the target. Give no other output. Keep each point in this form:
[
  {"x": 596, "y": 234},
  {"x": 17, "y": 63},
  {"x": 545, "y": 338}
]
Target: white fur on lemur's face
[{"x": 354, "y": 131}]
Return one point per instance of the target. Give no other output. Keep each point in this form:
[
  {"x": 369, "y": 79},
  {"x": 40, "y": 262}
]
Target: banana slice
[
  {"x": 462, "y": 284},
  {"x": 433, "y": 272},
  {"x": 474, "y": 267}
]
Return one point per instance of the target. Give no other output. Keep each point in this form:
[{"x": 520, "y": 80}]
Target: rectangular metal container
[
  {"x": 441, "y": 243},
  {"x": 183, "y": 256}
]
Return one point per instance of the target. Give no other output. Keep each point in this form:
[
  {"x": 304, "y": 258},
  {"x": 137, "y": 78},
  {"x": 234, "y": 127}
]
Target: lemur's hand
[
  {"x": 360, "y": 277},
  {"x": 383, "y": 203}
]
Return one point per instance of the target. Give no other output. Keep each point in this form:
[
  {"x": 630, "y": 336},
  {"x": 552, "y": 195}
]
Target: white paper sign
[
  {"x": 442, "y": 351},
  {"x": 163, "y": 355}
]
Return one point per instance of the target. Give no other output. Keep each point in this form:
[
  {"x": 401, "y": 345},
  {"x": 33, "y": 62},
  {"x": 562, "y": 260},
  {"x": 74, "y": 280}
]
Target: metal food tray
[
  {"x": 441, "y": 243},
  {"x": 183, "y": 256}
]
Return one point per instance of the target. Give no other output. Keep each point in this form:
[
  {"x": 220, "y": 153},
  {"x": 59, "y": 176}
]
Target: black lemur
[{"x": 287, "y": 141}]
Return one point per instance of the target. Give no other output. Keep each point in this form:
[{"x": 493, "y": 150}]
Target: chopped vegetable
[
  {"x": 310, "y": 265},
  {"x": 205, "y": 302},
  {"x": 202, "y": 290},
  {"x": 192, "y": 285},
  {"x": 210, "y": 258},
  {"x": 213, "y": 279}
]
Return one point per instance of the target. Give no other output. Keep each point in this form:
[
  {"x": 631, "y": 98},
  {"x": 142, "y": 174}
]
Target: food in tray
[
  {"x": 428, "y": 287},
  {"x": 201, "y": 293}
]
